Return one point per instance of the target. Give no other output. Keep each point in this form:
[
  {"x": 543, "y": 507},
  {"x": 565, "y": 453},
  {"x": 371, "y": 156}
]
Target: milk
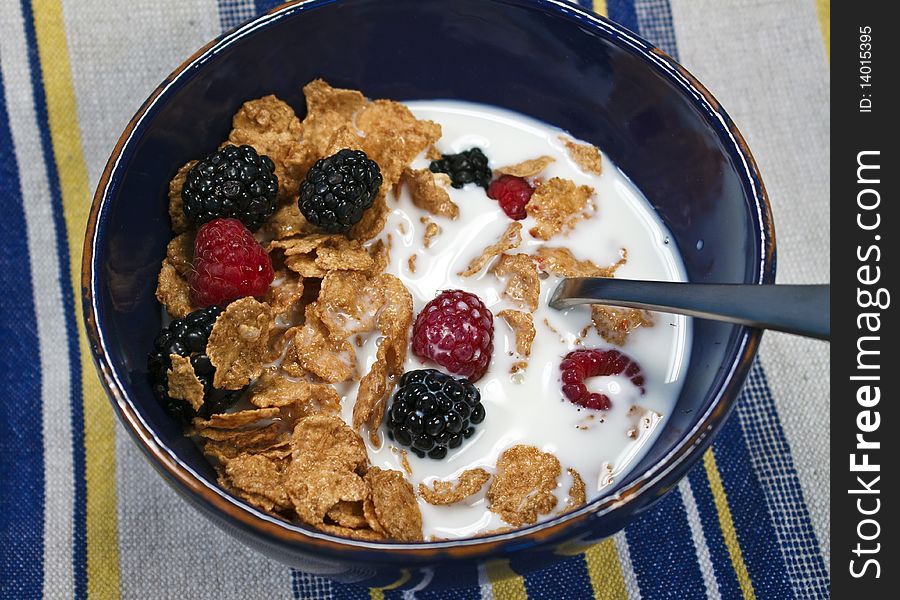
[{"x": 528, "y": 408}]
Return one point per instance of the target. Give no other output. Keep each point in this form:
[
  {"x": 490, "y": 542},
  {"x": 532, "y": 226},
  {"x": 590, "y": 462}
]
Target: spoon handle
[{"x": 800, "y": 309}]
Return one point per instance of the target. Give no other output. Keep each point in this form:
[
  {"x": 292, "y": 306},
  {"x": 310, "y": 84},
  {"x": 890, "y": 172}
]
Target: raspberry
[
  {"x": 431, "y": 412},
  {"x": 513, "y": 193},
  {"x": 469, "y": 166},
  {"x": 581, "y": 364},
  {"x": 231, "y": 182},
  {"x": 228, "y": 264},
  {"x": 188, "y": 337},
  {"x": 456, "y": 330},
  {"x": 339, "y": 189}
]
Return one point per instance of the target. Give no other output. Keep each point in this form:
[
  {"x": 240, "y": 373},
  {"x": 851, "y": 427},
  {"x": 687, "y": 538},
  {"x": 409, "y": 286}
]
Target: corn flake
[
  {"x": 183, "y": 382},
  {"x": 327, "y": 110},
  {"x": 285, "y": 293},
  {"x": 259, "y": 476},
  {"x": 432, "y": 230},
  {"x": 271, "y": 127},
  {"x": 527, "y": 168},
  {"x": 586, "y": 156},
  {"x": 301, "y": 397},
  {"x": 448, "y": 492},
  {"x": 557, "y": 204},
  {"x": 394, "y": 504},
  {"x": 615, "y": 324},
  {"x": 180, "y": 222},
  {"x": 180, "y": 252},
  {"x": 173, "y": 291},
  {"x": 316, "y": 351},
  {"x": 523, "y": 285},
  {"x": 522, "y": 325},
  {"x": 561, "y": 262},
  {"x": 325, "y": 441},
  {"x": 427, "y": 194},
  {"x": 314, "y": 491},
  {"x": 236, "y": 420},
  {"x": 287, "y": 221},
  {"x": 238, "y": 344},
  {"x": 577, "y": 494},
  {"x": 393, "y": 321},
  {"x": 348, "y": 514},
  {"x": 394, "y": 137},
  {"x": 523, "y": 486},
  {"x": 510, "y": 239}
]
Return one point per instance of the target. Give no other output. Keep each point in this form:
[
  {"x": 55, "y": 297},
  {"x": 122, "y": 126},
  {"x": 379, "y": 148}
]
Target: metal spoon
[{"x": 800, "y": 309}]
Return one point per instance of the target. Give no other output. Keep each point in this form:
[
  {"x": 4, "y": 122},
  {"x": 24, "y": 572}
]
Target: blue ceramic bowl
[{"x": 547, "y": 59}]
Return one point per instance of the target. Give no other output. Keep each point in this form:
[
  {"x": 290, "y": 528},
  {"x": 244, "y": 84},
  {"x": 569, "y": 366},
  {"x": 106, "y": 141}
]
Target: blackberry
[
  {"x": 432, "y": 412},
  {"x": 188, "y": 337},
  {"x": 469, "y": 166},
  {"x": 338, "y": 190},
  {"x": 231, "y": 182}
]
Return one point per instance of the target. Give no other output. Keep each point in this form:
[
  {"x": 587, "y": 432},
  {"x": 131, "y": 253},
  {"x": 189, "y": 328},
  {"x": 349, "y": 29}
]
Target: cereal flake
[
  {"x": 395, "y": 506},
  {"x": 522, "y": 325},
  {"x": 180, "y": 222},
  {"x": 586, "y": 156},
  {"x": 510, "y": 239},
  {"x": 271, "y": 127},
  {"x": 238, "y": 344},
  {"x": 183, "y": 382},
  {"x": 614, "y": 324},
  {"x": 173, "y": 291},
  {"x": 448, "y": 492},
  {"x": 427, "y": 194},
  {"x": 325, "y": 441},
  {"x": 557, "y": 204},
  {"x": 523, "y": 285},
  {"x": 526, "y": 168},
  {"x": 523, "y": 486}
]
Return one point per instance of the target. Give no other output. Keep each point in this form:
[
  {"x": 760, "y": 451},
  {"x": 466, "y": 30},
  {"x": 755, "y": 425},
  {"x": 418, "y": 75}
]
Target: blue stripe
[
  {"x": 234, "y": 12},
  {"x": 726, "y": 578},
  {"x": 566, "y": 579},
  {"x": 752, "y": 521},
  {"x": 21, "y": 439},
  {"x": 79, "y": 538},
  {"x": 588, "y": 4},
  {"x": 654, "y": 22},
  {"x": 623, "y": 13},
  {"x": 663, "y": 553},
  {"x": 267, "y": 5},
  {"x": 773, "y": 463}
]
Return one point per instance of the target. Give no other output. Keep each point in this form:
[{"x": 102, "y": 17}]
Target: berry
[
  {"x": 187, "y": 337},
  {"x": 231, "y": 182},
  {"x": 338, "y": 190},
  {"x": 456, "y": 330},
  {"x": 581, "y": 364},
  {"x": 432, "y": 412},
  {"x": 469, "y": 166},
  {"x": 228, "y": 264},
  {"x": 513, "y": 193}
]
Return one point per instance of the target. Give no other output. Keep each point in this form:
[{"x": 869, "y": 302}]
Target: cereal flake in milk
[{"x": 527, "y": 407}]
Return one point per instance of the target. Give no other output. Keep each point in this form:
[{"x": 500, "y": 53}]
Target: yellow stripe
[
  {"x": 727, "y": 525},
  {"x": 378, "y": 593},
  {"x": 505, "y": 584},
  {"x": 99, "y": 430},
  {"x": 823, "y": 9},
  {"x": 605, "y": 571},
  {"x": 600, "y": 7}
]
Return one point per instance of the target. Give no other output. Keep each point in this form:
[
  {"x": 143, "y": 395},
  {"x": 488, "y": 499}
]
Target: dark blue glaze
[{"x": 549, "y": 60}]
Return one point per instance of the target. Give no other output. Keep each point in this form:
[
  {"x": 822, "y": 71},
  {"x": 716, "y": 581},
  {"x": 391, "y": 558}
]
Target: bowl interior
[{"x": 538, "y": 58}]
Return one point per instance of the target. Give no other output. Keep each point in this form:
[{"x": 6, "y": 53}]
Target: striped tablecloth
[{"x": 83, "y": 513}]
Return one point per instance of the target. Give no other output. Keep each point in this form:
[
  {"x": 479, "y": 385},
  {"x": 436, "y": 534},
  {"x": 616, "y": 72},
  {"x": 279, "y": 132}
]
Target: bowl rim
[{"x": 660, "y": 476}]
